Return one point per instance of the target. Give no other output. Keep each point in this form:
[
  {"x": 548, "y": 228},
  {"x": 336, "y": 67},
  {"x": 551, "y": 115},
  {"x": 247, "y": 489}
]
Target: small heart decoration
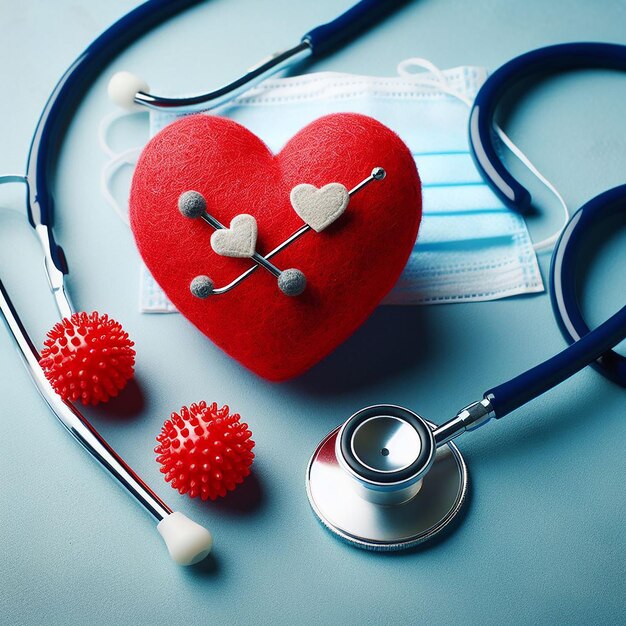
[
  {"x": 349, "y": 268},
  {"x": 238, "y": 241},
  {"x": 319, "y": 208}
]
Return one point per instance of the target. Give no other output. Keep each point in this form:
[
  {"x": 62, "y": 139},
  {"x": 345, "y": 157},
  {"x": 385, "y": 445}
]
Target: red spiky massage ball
[
  {"x": 88, "y": 357},
  {"x": 205, "y": 451}
]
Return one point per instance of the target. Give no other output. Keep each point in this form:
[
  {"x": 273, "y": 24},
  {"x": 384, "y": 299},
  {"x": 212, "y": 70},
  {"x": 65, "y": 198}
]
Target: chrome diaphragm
[{"x": 380, "y": 483}]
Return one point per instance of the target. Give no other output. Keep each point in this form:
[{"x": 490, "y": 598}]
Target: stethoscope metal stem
[
  {"x": 56, "y": 278},
  {"x": 225, "y": 94},
  {"x": 471, "y": 417},
  {"x": 74, "y": 421}
]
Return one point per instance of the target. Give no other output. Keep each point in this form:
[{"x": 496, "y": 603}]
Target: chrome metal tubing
[
  {"x": 74, "y": 421},
  {"x": 56, "y": 278},
  {"x": 303, "y": 229},
  {"x": 270, "y": 267},
  {"x": 211, "y": 221},
  {"x": 471, "y": 417},
  {"x": 225, "y": 94}
]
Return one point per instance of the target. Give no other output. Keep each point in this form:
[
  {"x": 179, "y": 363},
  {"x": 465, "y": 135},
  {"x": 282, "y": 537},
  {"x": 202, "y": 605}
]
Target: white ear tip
[
  {"x": 122, "y": 89},
  {"x": 186, "y": 541}
]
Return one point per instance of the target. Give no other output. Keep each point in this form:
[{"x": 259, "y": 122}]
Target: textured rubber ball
[
  {"x": 204, "y": 451},
  {"x": 191, "y": 204},
  {"x": 292, "y": 282},
  {"x": 88, "y": 357}
]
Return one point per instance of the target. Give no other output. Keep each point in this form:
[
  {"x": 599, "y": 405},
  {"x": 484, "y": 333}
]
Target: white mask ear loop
[
  {"x": 404, "y": 69},
  {"x": 441, "y": 83},
  {"x": 128, "y": 157},
  {"x": 105, "y": 125},
  {"x": 548, "y": 243},
  {"x": 116, "y": 160}
]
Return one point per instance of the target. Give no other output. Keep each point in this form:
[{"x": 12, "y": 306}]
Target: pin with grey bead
[
  {"x": 318, "y": 208},
  {"x": 238, "y": 241}
]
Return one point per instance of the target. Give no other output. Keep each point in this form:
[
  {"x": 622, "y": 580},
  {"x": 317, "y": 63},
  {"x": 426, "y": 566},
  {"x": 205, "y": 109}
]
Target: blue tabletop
[{"x": 543, "y": 537}]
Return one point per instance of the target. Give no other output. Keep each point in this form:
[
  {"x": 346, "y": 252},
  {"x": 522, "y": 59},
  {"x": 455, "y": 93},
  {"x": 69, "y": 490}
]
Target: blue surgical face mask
[{"x": 470, "y": 246}]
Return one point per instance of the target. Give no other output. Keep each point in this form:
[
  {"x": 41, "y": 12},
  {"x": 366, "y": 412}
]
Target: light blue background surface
[{"x": 543, "y": 537}]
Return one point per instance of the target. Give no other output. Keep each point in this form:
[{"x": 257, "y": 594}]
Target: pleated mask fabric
[{"x": 470, "y": 246}]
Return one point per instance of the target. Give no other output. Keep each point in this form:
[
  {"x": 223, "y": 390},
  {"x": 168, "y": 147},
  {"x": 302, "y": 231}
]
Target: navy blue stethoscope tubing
[
  {"x": 586, "y": 346},
  {"x": 66, "y": 97},
  {"x": 567, "y": 258},
  {"x": 364, "y": 14},
  {"x": 516, "y": 392},
  {"x": 76, "y": 80},
  {"x": 560, "y": 57}
]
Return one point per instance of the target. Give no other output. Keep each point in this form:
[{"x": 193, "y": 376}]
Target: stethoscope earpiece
[{"x": 123, "y": 87}]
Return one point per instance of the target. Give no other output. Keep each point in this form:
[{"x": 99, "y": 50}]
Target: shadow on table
[
  {"x": 393, "y": 339},
  {"x": 246, "y": 498},
  {"x": 129, "y": 403},
  {"x": 207, "y": 568}
]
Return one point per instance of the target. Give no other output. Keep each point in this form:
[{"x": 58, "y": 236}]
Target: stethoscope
[
  {"x": 186, "y": 541},
  {"x": 387, "y": 478}
]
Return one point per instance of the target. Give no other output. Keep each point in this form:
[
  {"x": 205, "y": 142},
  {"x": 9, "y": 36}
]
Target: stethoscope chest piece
[{"x": 367, "y": 481}]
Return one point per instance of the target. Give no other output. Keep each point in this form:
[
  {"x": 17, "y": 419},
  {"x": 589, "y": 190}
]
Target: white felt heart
[
  {"x": 319, "y": 207},
  {"x": 239, "y": 240}
]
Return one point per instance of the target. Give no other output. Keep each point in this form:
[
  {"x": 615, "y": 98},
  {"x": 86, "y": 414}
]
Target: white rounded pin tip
[
  {"x": 186, "y": 541},
  {"x": 122, "y": 89}
]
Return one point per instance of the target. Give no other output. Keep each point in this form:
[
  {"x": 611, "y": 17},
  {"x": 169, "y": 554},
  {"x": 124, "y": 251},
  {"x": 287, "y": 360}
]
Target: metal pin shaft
[{"x": 378, "y": 173}]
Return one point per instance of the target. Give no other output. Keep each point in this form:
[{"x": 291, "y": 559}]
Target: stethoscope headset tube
[
  {"x": 389, "y": 486},
  {"x": 65, "y": 98},
  {"x": 551, "y": 59},
  {"x": 42, "y": 155},
  {"x": 316, "y": 43},
  {"x": 568, "y": 255}
]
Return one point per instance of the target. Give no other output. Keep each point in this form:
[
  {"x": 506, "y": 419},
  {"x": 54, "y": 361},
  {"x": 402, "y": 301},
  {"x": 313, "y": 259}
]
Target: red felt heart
[{"x": 349, "y": 266}]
